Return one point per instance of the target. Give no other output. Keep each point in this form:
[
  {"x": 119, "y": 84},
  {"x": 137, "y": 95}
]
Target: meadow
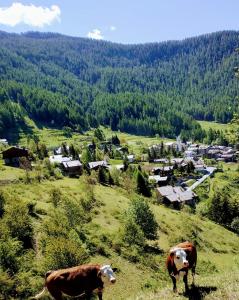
[{"x": 218, "y": 257}]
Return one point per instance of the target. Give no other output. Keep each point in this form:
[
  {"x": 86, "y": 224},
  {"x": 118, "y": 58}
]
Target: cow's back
[{"x": 75, "y": 281}]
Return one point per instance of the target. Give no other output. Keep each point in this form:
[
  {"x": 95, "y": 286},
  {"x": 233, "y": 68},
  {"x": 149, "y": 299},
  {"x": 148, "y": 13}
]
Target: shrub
[
  {"x": 142, "y": 184},
  {"x": 17, "y": 220},
  {"x": 2, "y": 203},
  {"x": 55, "y": 196},
  {"x": 132, "y": 233},
  {"x": 142, "y": 215},
  {"x": 10, "y": 250},
  {"x": 6, "y": 285},
  {"x": 63, "y": 252},
  {"x": 235, "y": 225}
]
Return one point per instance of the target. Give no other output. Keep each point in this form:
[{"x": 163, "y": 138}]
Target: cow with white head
[
  {"x": 77, "y": 281},
  {"x": 181, "y": 258}
]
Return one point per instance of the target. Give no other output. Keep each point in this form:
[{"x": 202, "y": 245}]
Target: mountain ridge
[{"x": 186, "y": 80}]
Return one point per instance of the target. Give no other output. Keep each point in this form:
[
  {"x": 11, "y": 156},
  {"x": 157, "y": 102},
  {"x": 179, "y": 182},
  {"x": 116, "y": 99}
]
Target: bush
[
  {"x": 10, "y": 250},
  {"x": 2, "y": 203},
  {"x": 63, "y": 253},
  {"x": 133, "y": 234},
  {"x": 235, "y": 225},
  {"x": 6, "y": 285},
  {"x": 55, "y": 196},
  {"x": 142, "y": 215},
  {"x": 142, "y": 185},
  {"x": 17, "y": 220}
]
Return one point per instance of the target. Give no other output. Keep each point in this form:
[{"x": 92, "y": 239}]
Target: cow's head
[
  {"x": 108, "y": 272},
  {"x": 179, "y": 257}
]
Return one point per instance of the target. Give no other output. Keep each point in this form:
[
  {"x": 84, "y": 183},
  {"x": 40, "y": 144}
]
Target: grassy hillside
[
  {"x": 146, "y": 278},
  {"x": 230, "y": 130},
  {"x": 213, "y": 125}
]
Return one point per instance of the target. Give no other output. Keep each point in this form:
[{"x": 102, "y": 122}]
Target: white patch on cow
[
  {"x": 180, "y": 259},
  {"x": 108, "y": 272}
]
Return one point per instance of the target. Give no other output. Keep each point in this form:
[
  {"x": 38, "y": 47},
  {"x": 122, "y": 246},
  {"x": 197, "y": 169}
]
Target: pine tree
[
  {"x": 102, "y": 175},
  {"x": 142, "y": 185}
]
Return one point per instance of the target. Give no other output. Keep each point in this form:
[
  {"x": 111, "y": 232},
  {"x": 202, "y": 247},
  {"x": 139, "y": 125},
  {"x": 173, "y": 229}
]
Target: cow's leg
[
  {"x": 174, "y": 284},
  {"x": 100, "y": 292},
  {"x": 185, "y": 280},
  {"x": 193, "y": 274}
]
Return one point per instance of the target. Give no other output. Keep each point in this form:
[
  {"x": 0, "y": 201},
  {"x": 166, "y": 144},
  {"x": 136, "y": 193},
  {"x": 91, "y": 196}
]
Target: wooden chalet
[
  {"x": 13, "y": 155},
  {"x": 175, "y": 196},
  {"x": 163, "y": 171},
  {"x": 72, "y": 168}
]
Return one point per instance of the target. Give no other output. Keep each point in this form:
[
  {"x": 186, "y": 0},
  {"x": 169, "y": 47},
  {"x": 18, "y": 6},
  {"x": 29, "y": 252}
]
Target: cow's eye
[{"x": 177, "y": 257}]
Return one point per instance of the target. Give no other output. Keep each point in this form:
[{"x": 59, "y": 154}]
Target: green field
[
  {"x": 218, "y": 258},
  {"x": 215, "y": 126}
]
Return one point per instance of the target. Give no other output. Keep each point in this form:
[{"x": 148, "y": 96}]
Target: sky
[{"x": 122, "y": 21}]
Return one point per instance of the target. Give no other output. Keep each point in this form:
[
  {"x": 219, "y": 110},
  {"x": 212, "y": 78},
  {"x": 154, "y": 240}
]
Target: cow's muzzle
[
  {"x": 186, "y": 264},
  {"x": 112, "y": 280}
]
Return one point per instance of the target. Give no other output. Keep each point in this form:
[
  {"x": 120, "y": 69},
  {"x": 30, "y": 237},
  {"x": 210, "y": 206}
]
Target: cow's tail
[{"x": 38, "y": 296}]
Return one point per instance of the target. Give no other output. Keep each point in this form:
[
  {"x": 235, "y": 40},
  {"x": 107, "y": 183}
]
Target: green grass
[
  {"x": 217, "y": 247},
  {"x": 136, "y": 143},
  {"x": 213, "y": 125},
  {"x": 9, "y": 173}
]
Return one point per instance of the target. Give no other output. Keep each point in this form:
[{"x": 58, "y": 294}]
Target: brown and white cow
[
  {"x": 77, "y": 281},
  {"x": 181, "y": 258}
]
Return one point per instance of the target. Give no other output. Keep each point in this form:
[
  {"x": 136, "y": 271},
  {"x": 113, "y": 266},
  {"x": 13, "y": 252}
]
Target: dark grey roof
[
  {"x": 72, "y": 163},
  {"x": 176, "y": 193}
]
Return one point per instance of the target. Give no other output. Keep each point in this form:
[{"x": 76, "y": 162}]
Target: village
[{"x": 173, "y": 169}]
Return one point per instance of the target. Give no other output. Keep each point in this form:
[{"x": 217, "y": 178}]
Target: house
[
  {"x": 227, "y": 157},
  {"x": 177, "y": 160},
  {"x": 13, "y": 155},
  {"x": 161, "y": 160},
  {"x": 131, "y": 158},
  {"x": 203, "y": 150},
  {"x": 59, "y": 159},
  {"x": 190, "y": 154},
  {"x": 175, "y": 196},
  {"x": 94, "y": 165},
  {"x": 60, "y": 150},
  {"x": 159, "y": 180},
  {"x": 163, "y": 171},
  {"x": 213, "y": 153},
  {"x": 73, "y": 167},
  {"x": 200, "y": 168}
]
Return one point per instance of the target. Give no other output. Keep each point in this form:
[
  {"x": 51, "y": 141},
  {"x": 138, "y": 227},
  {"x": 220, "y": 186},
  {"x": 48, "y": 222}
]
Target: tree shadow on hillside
[{"x": 199, "y": 292}]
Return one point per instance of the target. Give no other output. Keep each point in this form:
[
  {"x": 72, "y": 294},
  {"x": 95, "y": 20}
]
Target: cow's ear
[
  {"x": 115, "y": 269},
  {"x": 171, "y": 254}
]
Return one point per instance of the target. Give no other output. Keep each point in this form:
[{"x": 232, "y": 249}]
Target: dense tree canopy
[{"x": 157, "y": 88}]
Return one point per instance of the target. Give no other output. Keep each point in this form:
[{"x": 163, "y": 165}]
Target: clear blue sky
[{"x": 124, "y": 21}]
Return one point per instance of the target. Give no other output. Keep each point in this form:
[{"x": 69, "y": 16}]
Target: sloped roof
[
  {"x": 58, "y": 159},
  {"x": 95, "y": 164},
  {"x": 72, "y": 164},
  {"x": 176, "y": 193}
]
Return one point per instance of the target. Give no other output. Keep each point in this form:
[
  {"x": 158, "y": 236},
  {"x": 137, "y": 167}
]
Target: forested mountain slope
[{"x": 146, "y": 88}]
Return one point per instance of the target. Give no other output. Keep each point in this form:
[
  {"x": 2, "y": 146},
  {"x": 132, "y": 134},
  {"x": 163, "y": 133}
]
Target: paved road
[{"x": 210, "y": 171}]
